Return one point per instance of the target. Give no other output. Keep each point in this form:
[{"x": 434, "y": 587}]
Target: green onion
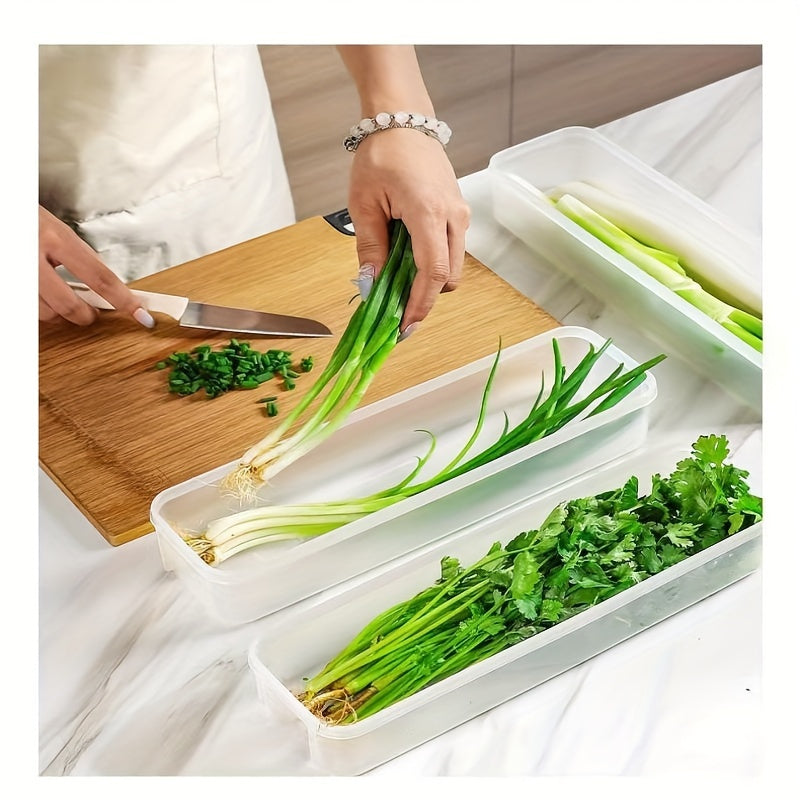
[
  {"x": 367, "y": 341},
  {"x": 548, "y": 413}
]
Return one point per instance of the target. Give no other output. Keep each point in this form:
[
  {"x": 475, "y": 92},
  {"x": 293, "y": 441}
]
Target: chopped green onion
[{"x": 234, "y": 366}]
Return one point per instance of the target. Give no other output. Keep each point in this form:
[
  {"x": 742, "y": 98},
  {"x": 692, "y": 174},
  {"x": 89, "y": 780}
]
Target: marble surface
[{"x": 135, "y": 680}]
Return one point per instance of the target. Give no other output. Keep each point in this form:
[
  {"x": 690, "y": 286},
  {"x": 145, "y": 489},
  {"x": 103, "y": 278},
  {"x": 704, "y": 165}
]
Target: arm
[
  {"x": 401, "y": 173},
  {"x": 60, "y": 245}
]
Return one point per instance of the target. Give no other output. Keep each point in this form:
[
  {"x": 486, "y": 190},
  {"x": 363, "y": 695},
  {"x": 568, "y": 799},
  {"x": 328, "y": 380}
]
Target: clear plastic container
[
  {"x": 377, "y": 447},
  {"x": 307, "y": 637},
  {"x": 521, "y": 175}
]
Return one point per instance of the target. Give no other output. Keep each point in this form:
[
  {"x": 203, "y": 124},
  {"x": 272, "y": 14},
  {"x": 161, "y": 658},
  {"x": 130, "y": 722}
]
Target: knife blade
[{"x": 207, "y": 316}]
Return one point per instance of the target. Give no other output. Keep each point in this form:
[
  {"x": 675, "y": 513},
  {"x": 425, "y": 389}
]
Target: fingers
[
  {"x": 456, "y": 238},
  {"x": 84, "y": 263},
  {"x": 438, "y": 246},
  {"x": 46, "y": 314},
  {"x": 372, "y": 241},
  {"x": 58, "y": 244},
  {"x": 56, "y": 298},
  {"x": 399, "y": 174},
  {"x": 432, "y": 257}
]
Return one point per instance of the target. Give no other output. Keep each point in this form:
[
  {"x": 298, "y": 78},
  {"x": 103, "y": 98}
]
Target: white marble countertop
[{"x": 134, "y": 680}]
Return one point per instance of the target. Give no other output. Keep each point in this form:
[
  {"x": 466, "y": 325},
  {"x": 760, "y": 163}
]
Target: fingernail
[
  {"x": 366, "y": 277},
  {"x": 409, "y": 329},
  {"x": 144, "y": 318}
]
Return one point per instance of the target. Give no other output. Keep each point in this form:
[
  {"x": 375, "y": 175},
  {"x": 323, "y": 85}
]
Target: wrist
[{"x": 387, "y": 102}]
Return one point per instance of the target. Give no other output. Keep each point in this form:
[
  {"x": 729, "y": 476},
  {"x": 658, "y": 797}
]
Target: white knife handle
[{"x": 169, "y": 304}]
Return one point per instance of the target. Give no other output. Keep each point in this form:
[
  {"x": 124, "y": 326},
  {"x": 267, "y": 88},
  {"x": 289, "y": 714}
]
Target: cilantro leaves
[{"x": 586, "y": 550}]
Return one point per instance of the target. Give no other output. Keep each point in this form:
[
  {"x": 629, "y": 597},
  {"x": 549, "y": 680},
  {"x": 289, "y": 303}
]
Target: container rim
[{"x": 578, "y": 132}]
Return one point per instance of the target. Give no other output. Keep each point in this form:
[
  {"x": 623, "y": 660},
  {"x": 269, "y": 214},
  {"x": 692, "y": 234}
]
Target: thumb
[{"x": 372, "y": 242}]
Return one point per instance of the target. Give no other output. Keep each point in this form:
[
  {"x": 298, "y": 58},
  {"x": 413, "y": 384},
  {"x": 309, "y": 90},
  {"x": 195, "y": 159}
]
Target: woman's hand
[
  {"x": 401, "y": 173},
  {"x": 60, "y": 245}
]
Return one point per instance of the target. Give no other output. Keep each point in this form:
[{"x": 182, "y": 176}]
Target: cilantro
[
  {"x": 525, "y": 574},
  {"x": 450, "y": 568},
  {"x": 586, "y": 550}
]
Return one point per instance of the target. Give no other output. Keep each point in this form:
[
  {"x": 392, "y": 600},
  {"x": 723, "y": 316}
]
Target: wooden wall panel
[
  {"x": 492, "y": 96},
  {"x": 315, "y": 104},
  {"x": 470, "y": 86}
]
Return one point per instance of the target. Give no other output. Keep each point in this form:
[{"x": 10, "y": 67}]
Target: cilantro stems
[
  {"x": 549, "y": 412},
  {"x": 586, "y": 550}
]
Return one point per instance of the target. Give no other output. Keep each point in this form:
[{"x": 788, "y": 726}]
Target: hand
[
  {"x": 60, "y": 245},
  {"x": 400, "y": 173}
]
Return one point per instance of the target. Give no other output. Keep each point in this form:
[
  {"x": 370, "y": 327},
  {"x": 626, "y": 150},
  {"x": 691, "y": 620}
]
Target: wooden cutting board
[{"x": 112, "y": 436}]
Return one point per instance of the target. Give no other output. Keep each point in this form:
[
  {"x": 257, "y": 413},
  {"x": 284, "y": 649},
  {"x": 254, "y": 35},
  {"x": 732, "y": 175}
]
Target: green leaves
[
  {"x": 681, "y": 534},
  {"x": 711, "y": 450},
  {"x": 450, "y": 568},
  {"x": 526, "y": 585},
  {"x": 524, "y": 574},
  {"x": 585, "y": 551}
]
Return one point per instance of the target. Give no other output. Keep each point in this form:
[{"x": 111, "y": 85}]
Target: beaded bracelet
[{"x": 400, "y": 119}]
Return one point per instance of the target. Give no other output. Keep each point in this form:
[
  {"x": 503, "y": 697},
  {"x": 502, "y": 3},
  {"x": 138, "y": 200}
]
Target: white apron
[{"x": 157, "y": 155}]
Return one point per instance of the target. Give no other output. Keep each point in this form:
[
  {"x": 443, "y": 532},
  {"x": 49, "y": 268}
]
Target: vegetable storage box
[
  {"x": 307, "y": 637},
  {"x": 520, "y": 177},
  {"x": 376, "y": 448}
]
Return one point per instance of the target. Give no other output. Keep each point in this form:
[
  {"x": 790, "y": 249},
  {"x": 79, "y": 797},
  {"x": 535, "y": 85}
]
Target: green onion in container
[{"x": 552, "y": 408}]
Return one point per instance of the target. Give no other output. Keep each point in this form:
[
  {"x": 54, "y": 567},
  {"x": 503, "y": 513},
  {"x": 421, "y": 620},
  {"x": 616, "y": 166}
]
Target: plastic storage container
[
  {"x": 377, "y": 447},
  {"x": 307, "y": 637},
  {"x": 521, "y": 175}
]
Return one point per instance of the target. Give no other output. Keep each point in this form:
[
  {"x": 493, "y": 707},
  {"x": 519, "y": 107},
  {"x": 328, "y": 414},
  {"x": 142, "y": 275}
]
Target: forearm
[{"x": 387, "y": 78}]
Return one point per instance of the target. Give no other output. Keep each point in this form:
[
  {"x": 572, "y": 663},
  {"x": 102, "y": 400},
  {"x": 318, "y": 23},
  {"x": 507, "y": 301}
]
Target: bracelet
[{"x": 400, "y": 119}]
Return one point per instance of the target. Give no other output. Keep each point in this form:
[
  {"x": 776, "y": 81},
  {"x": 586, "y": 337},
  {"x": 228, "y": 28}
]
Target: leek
[
  {"x": 666, "y": 268},
  {"x": 717, "y": 273}
]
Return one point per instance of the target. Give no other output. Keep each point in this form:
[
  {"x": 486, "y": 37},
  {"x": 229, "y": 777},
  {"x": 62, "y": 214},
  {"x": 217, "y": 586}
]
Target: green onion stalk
[
  {"x": 550, "y": 411},
  {"x": 665, "y": 267},
  {"x": 366, "y": 343}
]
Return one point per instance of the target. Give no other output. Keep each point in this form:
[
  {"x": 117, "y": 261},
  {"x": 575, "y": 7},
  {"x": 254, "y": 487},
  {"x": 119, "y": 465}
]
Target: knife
[{"x": 206, "y": 316}]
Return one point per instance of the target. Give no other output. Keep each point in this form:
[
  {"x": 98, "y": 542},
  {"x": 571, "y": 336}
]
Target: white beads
[
  {"x": 443, "y": 132},
  {"x": 400, "y": 119}
]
